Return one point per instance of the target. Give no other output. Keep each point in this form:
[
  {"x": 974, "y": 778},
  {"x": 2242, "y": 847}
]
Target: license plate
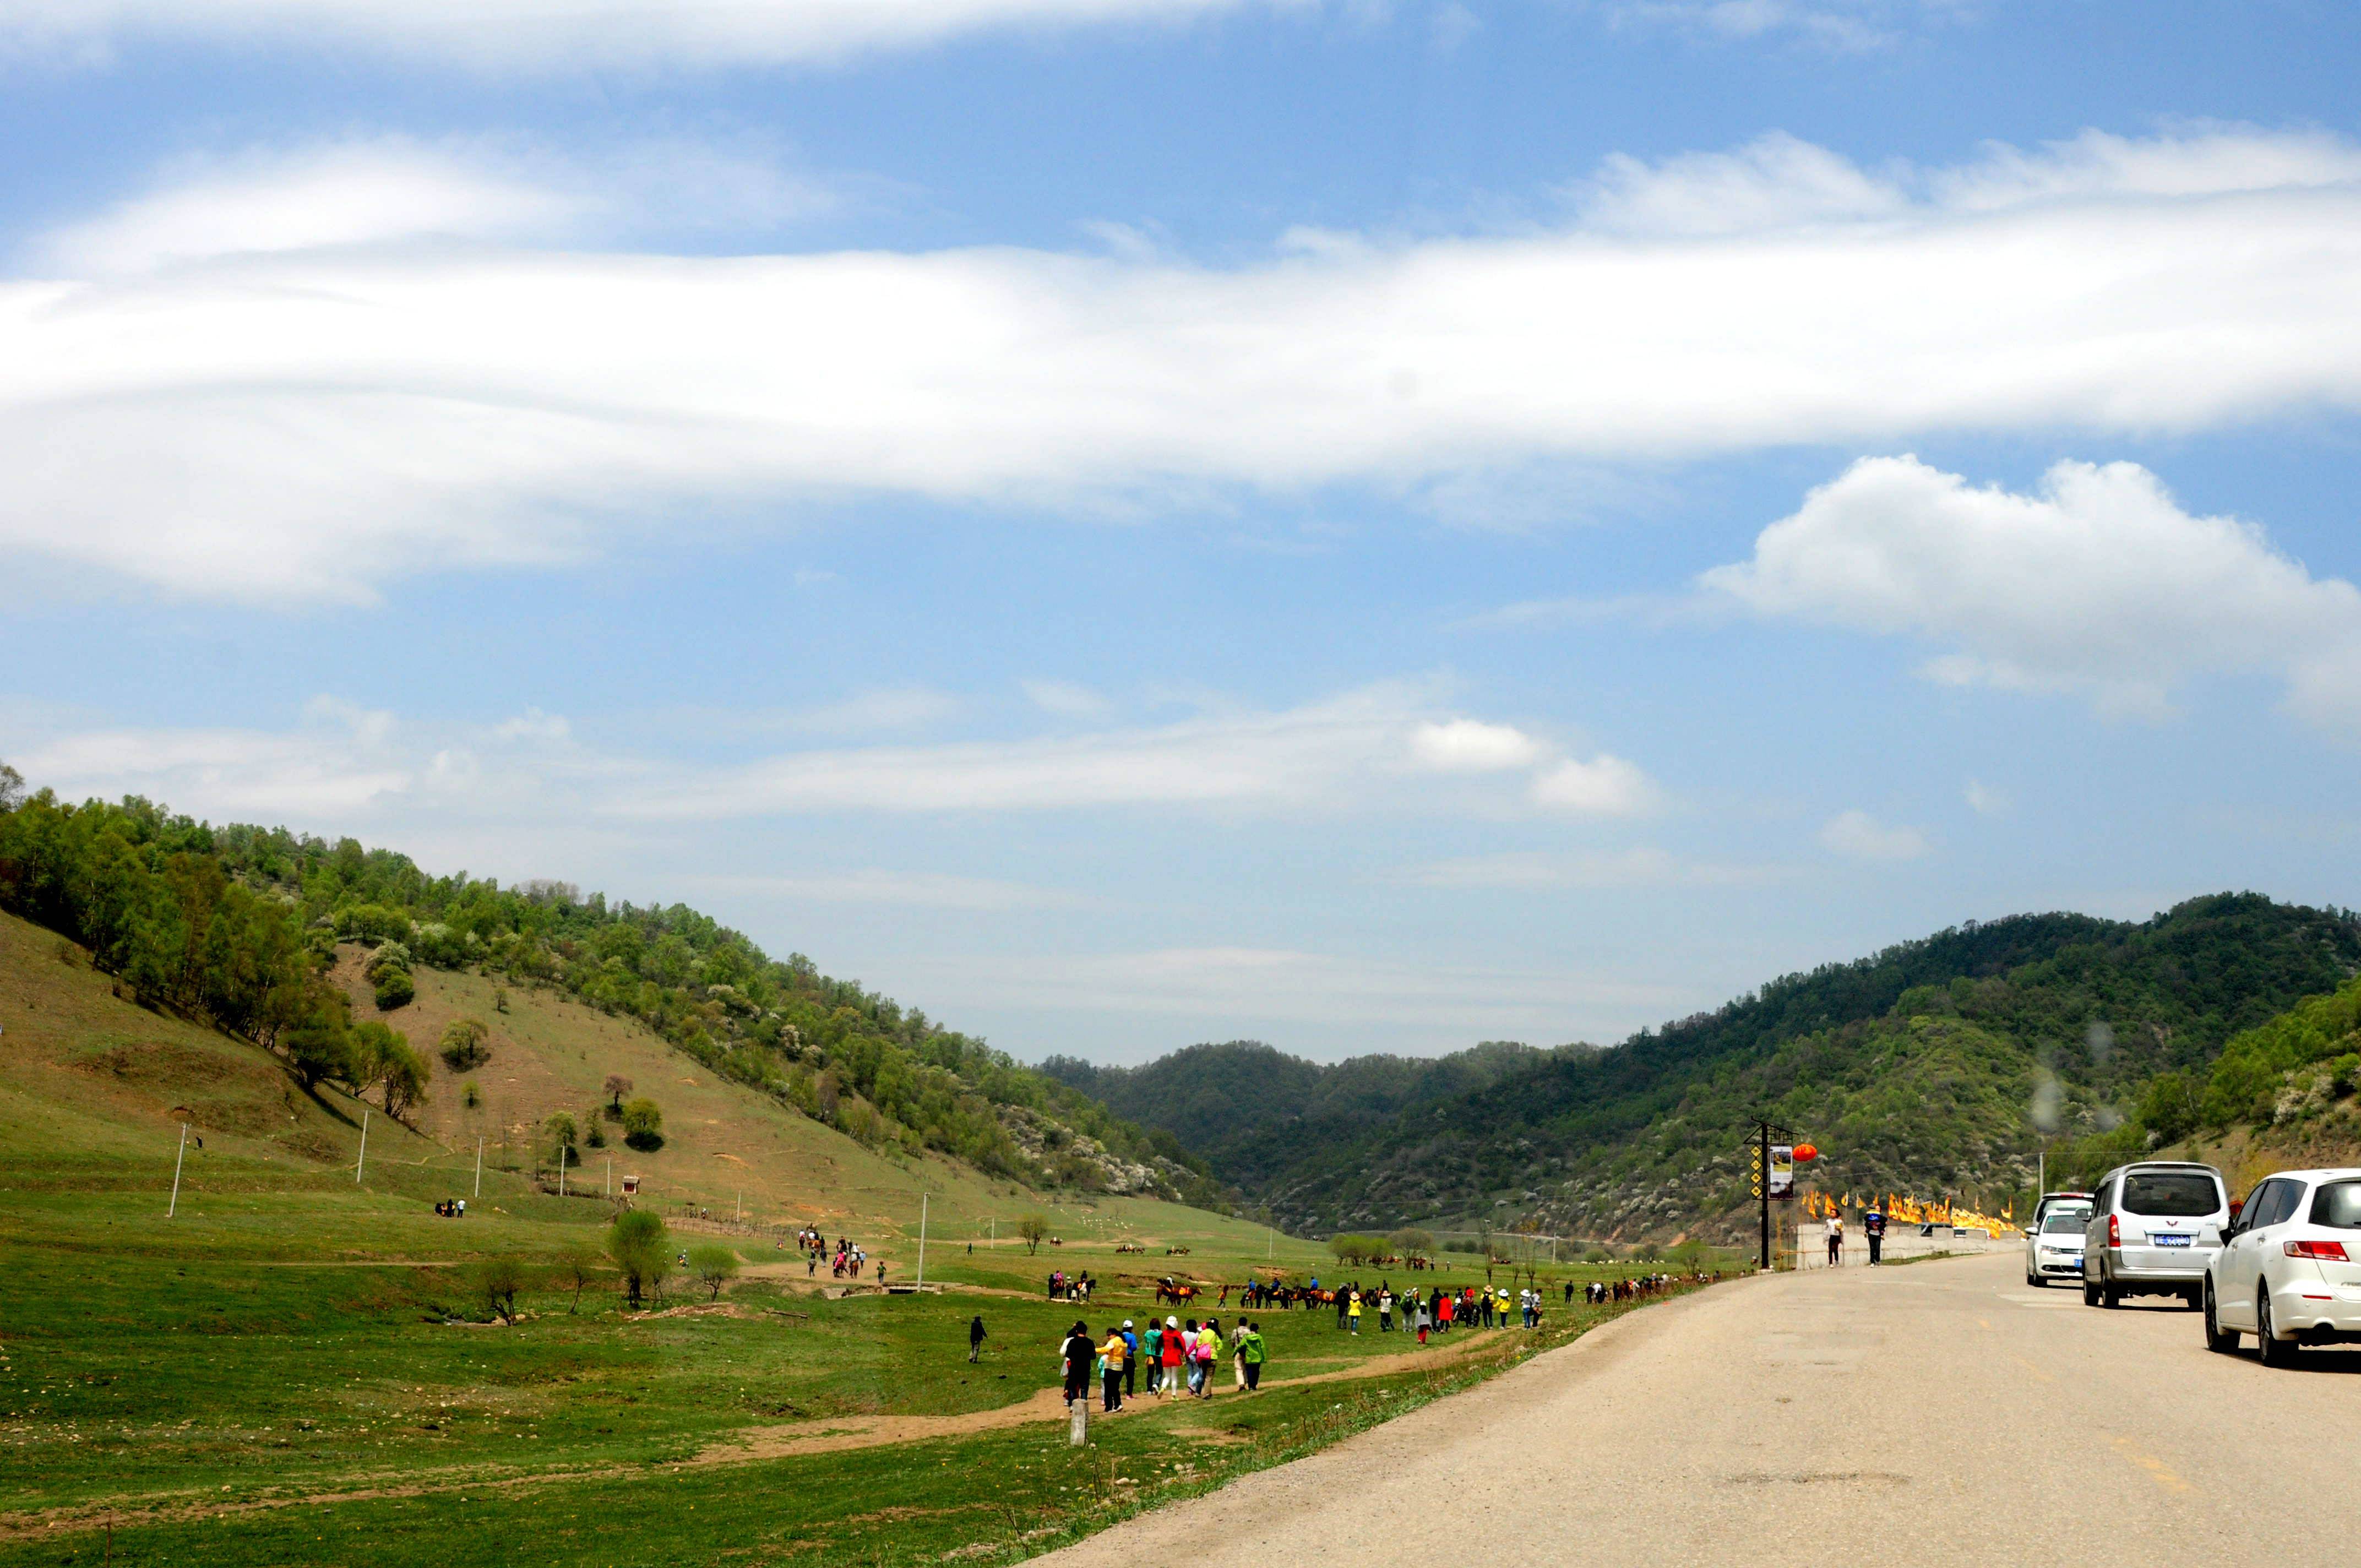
[{"x": 2163, "y": 1240}]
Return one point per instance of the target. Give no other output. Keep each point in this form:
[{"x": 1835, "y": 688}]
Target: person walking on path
[
  {"x": 1151, "y": 1355},
  {"x": 1130, "y": 1360},
  {"x": 1873, "y": 1225},
  {"x": 1353, "y": 1312},
  {"x": 1176, "y": 1346},
  {"x": 1078, "y": 1363},
  {"x": 1238, "y": 1353},
  {"x": 1836, "y": 1240},
  {"x": 1112, "y": 1354},
  {"x": 975, "y": 1338},
  {"x": 1207, "y": 1348},
  {"x": 1385, "y": 1310},
  {"x": 1251, "y": 1353}
]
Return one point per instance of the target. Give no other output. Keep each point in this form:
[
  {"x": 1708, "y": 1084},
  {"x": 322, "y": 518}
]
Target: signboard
[{"x": 1782, "y": 1172}]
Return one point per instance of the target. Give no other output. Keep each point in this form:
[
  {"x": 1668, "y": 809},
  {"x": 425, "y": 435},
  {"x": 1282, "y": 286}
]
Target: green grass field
[{"x": 294, "y": 1369}]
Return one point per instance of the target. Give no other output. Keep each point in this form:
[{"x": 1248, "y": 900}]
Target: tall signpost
[{"x": 1774, "y": 1172}]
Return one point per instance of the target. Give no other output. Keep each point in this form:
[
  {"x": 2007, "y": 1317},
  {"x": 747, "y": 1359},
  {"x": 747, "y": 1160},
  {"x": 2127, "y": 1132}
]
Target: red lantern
[{"x": 1805, "y": 1154}]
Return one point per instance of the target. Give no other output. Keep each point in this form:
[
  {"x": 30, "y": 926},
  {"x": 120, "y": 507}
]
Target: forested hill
[
  {"x": 237, "y": 926},
  {"x": 1250, "y": 1110},
  {"x": 1921, "y": 1067}
]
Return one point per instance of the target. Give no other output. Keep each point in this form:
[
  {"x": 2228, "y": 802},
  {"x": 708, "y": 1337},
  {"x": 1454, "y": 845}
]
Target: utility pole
[
  {"x": 480, "y": 1165},
  {"x": 363, "y": 1161},
  {"x": 177, "y": 1158},
  {"x": 922, "y": 1238}
]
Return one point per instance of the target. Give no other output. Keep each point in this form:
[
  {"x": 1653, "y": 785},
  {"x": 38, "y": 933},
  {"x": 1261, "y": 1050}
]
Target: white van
[{"x": 2152, "y": 1229}]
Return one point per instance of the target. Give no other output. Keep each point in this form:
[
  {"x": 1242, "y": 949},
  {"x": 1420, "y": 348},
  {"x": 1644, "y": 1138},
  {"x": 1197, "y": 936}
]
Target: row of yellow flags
[{"x": 1914, "y": 1210}]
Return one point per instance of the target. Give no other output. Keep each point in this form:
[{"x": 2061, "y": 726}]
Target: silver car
[{"x": 2152, "y": 1229}]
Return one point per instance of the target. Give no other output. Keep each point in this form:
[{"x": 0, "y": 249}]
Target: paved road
[{"x": 1935, "y": 1414}]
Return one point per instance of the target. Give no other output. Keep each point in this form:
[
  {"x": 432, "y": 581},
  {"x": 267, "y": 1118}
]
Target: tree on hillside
[
  {"x": 464, "y": 1048},
  {"x": 714, "y": 1266},
  {"x": 11, "y": 788},
  {"x": 562, "y": 1133},
  {"x": 1032, "y": 1227},
  {"x": 617, "y": 1087},
  {"x": 497, "y": 1281},
  {"x": 642, "y": 1125},
  {"x": 576, "y": 1266},
  {"x": 642, "y": 1248},
  {"x": 389, "y": 976},
  {"x": 382, "y": 1059}
]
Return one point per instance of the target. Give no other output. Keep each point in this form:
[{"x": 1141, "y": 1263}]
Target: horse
[{"x": 1178, "y": 1294}]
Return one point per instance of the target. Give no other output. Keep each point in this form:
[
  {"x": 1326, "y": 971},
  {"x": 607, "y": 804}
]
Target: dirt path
[
  {"x": 1049, "y": 1405},
  {"x": 743, "y": 1447}
]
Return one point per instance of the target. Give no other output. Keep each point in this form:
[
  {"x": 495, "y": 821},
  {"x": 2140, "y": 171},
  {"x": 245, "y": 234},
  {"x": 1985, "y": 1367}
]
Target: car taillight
[
  {"x": 2114, "y": 1232},
  {"x": 2325, "y": 1251}
]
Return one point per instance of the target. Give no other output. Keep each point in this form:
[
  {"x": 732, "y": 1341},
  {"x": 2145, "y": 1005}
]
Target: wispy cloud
[
  {"x": 910, "y": 890},
  {"x": 1634, "y": 868},
  {"x": 1360, "y": 750},
  {"x": 545, "y": 36},
  {"x": 363, "y": 399},
  {"x": 1858, "y": 836},
  {"x": 1295, "y": 985}
]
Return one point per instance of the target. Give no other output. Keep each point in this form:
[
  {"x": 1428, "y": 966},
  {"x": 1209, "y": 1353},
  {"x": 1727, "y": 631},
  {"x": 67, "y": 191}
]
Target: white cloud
[
  {"x": 536, "y": 36},
  {"x": 392, "y": 192},
  {"x": 2097, "y": 584},
  {"x": 1642, "y": 866},
  {"x": 322, "y": 417},
  {"x": 1345, "y": 747},
  {"x": 1262, "y": 983},
  {"x": 1603, "y": 787},
  {"x": 1350, "y": 751},
  {"x": 1984, "y": 800},
  {"x": 914, "y": 890},
  {"x": 1065, "y": 699},
  {"x": 887, "y": 707},
  {"x": 1858, "y": 836},
  {"x": 1472, "y": 746}
]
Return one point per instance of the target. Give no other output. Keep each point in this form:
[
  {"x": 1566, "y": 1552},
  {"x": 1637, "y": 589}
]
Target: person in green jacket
[{"x": 1250, "y": 1357}]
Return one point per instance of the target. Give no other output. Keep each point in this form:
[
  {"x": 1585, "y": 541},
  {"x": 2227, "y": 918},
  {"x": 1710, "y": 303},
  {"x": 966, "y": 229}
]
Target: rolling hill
[
  {"x": 272, "y": 992},
  {"x": 1932, "y": 1066}
]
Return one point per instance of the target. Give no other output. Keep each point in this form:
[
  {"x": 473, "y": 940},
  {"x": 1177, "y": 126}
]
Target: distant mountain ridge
[{"x": 1917, "y": 1067}]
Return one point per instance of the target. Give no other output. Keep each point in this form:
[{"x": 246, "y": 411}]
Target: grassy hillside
[
  {"x": 1940, "y": 1064},
  {"x": 239, "y": 928},
  {"x": 94, "y": 1086}
]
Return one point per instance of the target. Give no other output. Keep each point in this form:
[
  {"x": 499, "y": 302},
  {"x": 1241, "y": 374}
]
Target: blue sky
[{"x": 1373, "y": 526}]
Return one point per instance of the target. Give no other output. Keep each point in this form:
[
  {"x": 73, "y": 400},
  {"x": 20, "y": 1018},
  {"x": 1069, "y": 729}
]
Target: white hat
[
  {"x": 1171, "y": 1323},
  {"x": 1126, "y": 1322}
]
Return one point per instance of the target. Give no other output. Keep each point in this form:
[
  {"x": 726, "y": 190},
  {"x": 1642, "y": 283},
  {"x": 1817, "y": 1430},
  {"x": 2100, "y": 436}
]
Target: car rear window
[
  {"x": 2059, "y": 1221},
  {"x": 2171, "y": 1193},
  {"x": 2338, "y": 1204}
]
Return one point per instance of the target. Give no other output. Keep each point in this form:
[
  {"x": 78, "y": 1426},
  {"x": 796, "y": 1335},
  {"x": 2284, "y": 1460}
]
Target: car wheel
[
  {"x": 2275, "y": 1351},
  {"x": 2109, "y": 1297},
  {"x": 2089, "y": 1291},
  {"x": 2218, "y": 1339},
  {"x": 2033, "y": 1279}
]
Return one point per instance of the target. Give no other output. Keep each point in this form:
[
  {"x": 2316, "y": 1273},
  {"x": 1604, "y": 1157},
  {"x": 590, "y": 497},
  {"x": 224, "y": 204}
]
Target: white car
[
  {"x": 2053, "y": 1248},
  {"x": 2153, "y": 1228},
  {"x": 2289, "y": 1271}
]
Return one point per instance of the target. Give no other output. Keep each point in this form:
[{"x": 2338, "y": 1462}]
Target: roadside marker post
[
  {"x": 177, "y": 1159},
  {"x": 362, "y": 1163},
  {"x": 479, "y": 1166},
  {"x": 922, "y": 1238}
]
